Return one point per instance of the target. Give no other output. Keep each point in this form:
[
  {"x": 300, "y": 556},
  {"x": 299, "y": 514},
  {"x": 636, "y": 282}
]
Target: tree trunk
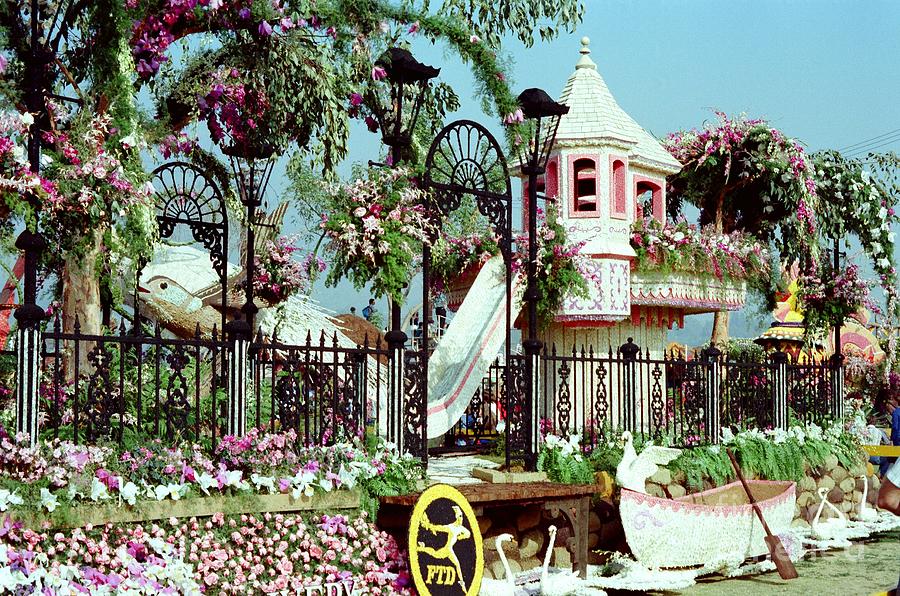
[
  {"x": 81, "y": 302},
  {"x": 720, "y": 322},
  {"x": 720, "y": 328}
]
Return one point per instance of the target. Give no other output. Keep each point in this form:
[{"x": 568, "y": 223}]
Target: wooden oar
[{"x": 779, "y": 554}]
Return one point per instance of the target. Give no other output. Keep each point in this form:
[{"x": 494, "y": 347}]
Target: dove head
[
  {"x": 501, "y": 538},
  {"x": 823, "y": 492},
  {"x": 552, "y": 530},
  {"x": 625, "y": 438}
]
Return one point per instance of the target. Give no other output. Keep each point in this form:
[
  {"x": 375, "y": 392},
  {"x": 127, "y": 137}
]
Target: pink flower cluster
[
  {"x": 152, "y": 35},
  {"x": 682, "y": 247},
  {"x": 56, "y": 461},
  {"x": 232, "y": 109},
  {"x": 268, "y": 553},
  {"x": 278, "y": 275}
]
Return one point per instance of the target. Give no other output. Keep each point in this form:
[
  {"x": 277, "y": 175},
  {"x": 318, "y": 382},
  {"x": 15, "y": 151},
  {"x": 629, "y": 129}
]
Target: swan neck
[
  {"x": 819, "y": 511},
  {"x": 506, "y": 568},
  {"x": 545, "y": 572}
]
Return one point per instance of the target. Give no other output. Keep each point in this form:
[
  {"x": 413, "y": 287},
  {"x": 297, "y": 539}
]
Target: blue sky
[{"x": 824, "y": 72}]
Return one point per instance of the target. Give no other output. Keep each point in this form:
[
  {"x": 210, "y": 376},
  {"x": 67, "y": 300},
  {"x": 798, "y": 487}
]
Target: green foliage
[
  {"x": 558, "y": 272},
  {"x": 563, "y": 463}
]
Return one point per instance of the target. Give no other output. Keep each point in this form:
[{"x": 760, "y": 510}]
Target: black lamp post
[
  {"x": 539, "y": 108},
  {"x": 252, "y": 168},
  {"x": 408, "y": 80}
]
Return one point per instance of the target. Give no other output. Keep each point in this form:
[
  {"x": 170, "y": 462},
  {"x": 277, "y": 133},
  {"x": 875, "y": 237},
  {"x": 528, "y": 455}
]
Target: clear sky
[{"x": 824, "y": 72}]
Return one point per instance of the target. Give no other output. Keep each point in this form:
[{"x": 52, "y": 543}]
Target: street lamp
[
  {"x": 252, "y": 168},
  {"x": 539, "y": 108},
  {"x": 408, "y": 80}
]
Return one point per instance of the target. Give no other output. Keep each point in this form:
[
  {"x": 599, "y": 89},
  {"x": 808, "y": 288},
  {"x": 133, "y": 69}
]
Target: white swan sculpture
[
  {"x": 563, "y": 581},
  {"x": 830, "y": 529},
  {"x": 866, "y": 513},
  {"x": 633, "y": 471},
  {"x": 500, "y": 587}
]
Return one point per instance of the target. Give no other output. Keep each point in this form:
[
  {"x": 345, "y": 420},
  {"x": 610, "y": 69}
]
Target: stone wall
[{"x": 845, "y": 488}]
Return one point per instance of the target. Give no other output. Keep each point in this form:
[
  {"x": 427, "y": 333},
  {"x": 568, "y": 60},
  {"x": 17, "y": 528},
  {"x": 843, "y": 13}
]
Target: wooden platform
[{"x": 571, "y": 501}]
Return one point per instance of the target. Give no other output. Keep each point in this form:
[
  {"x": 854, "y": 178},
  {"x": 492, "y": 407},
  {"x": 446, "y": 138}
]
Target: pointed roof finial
[{"x": 585, "y": 61}]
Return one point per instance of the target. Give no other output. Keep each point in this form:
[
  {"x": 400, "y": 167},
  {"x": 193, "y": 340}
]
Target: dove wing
[
  {"x": 659, "y": 455},
  {"x": 645, "y": 465}
]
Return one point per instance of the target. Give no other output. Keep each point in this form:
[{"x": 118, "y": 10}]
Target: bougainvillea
[
  {"x": 832, "y": 295},
  {"x": 681, "y": 247},
  {"x": 376, "y": 227},
  {"x": 276, "y": 275},
  {"x": 855, "y": 201},
  {"x": 745, "y": 175},
  {"x": 561, "y": 271},
  {"x": 84, "y": 187}
]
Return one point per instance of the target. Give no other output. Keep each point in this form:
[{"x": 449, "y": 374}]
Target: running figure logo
[{"x": 446, "y": 556}]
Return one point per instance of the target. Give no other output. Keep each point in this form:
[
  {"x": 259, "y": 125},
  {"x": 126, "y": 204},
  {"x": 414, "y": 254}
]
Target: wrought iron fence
[
  {"x": 320, "y": 390},
  {"x": 107, "y": 387},
  {"x": 596, "y": 395},
  {"x": 102, "y": 387}
]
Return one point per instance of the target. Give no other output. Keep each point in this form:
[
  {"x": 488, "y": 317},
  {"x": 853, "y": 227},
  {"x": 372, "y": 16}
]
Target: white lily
[
  {"x": 263, "y": 482},
  {"x": 347, "y": 477},
  {"x": 303, "y": 484},
  {"x": 99, "y": 492},
  {"x": 49, "y": 500},
  {"x": 129, "y": 492},
  {"x": 206, "y": 481},
  {"x": 326, "y": 484},
  {"x": 27, "y": 118}
]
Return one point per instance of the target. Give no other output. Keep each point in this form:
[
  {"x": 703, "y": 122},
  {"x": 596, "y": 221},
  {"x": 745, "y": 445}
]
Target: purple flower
[
  {"x": 378, "y": 73},
  {"x": 265, "y": 29},
  {"x": 355, "y": 99},
  {"x": 244, "y": 13},
  {"x": 2, "y": 64}
]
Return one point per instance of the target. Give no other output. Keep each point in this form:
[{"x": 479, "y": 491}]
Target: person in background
[
  {"x": 440, "y": 309},
  {"x": 353, "y": 310},
  {"x": 417, "y": 331},
  {"x": 368, "y": 311},
  {"x": 889, "y": 497}
]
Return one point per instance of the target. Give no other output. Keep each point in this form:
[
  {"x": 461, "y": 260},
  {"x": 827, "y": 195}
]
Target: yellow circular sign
[{"x": 445, "y": 552}]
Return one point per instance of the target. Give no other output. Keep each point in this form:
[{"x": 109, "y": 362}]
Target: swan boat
[{"x": 712, "y": 525}]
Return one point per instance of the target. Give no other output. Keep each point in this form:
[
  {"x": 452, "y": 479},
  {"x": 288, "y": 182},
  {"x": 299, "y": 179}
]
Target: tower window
[
  {"x": 618, "y": 189},
  {"x": 585, "y": 185}
]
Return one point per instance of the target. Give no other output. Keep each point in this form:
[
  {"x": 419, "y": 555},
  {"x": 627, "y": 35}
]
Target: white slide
[{"x": 471, "y": 342}]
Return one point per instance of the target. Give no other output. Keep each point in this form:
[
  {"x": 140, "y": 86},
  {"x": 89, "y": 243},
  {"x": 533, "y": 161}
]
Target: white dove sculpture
[{"x": 633, "y": 471}]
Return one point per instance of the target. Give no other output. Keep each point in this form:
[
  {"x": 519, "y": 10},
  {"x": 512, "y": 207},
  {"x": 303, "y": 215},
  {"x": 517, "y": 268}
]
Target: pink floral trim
[{"x": 681, "y": 504}]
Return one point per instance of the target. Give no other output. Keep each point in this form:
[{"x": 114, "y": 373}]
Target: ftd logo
[{"x": 441, "y": 574}]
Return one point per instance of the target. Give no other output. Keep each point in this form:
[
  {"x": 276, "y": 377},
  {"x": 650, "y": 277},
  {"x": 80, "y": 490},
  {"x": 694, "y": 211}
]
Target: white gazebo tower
[{"x": 605, "y": 172}]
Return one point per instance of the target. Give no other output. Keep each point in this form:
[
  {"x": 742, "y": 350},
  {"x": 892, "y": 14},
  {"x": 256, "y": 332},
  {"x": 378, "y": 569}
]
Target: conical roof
[{"x": 594, "y": 116}]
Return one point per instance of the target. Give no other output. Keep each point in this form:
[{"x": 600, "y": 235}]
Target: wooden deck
[{"x": 571, "y": 501}]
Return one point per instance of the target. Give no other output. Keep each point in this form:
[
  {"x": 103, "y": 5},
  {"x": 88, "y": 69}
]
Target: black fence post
[
  {"x": 28, "y": 343},
  {"x": 779, "y": 368},
  {"x": 239, "y": 377},
  {"x": 836, "y": 364},
  {"x": 628, "y": 352},
  {"x": 712, "y": 363}
]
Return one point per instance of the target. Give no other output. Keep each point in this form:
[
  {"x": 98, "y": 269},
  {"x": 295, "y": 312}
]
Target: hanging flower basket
[{"x": 461, "y": 284}]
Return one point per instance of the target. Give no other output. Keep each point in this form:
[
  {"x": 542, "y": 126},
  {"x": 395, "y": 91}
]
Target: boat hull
[{"x": 704, "y": 527}]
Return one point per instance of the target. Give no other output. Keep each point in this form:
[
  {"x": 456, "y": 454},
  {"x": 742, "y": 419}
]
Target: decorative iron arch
[
  {"x": 186, "y": 196},
  {"x": 464, "y": 159}
]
